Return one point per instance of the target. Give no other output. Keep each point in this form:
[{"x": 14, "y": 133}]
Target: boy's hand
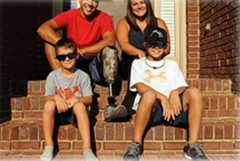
[
  {"x": 61, "y": 103},
  {"x": 167, "y": 111},
  {"x": 72, "y": 101},
  {"x": 175, "y": 102}
]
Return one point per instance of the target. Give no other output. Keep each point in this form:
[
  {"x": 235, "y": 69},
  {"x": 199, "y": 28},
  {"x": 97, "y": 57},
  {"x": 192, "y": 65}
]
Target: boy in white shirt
[{"x": 163, "y": 98}]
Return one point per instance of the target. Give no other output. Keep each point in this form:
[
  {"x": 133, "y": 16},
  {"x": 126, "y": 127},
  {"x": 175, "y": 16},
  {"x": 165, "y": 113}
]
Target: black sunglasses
[
  {"x": 69, "y": 55},
  {"x": 160, "y": 44}
]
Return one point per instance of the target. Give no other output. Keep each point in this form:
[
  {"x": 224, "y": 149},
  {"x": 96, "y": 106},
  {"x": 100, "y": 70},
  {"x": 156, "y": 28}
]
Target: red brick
[
  {"x": 225, "y": 113},
  {"x": 203, "y": 85},
  {"x": 231, "y": 102},
  {"x": 26, "y": 145},
  {"x": 152, "y": 145},
  {"x": 129, "y": 129},
  {"x": 208, "y": 131},
  {"x": 159, "y": 132},
  {"x": 17, "y": 115},
  {"x": 36, "y": 86},
  {"x": 149, "y": 135},
  {"x": 41, "y": 135},
  {"x": 218, "y": 84},
  {"x": 219, "y": 131},
  {"x": 33, "y": 132},
  {"x": 119, "y": 131},
  {"x": 210, "y": 85},
  {"x": 78, "y": 135},
  {"x": 34, "y": 104},
  {"x": 214, "y": 102},
  {"x": 18, "y": 104},
  {"x": 99, "y": 132},
  {"x": 115, "y": 145},
  {"x": 64, "y": 145},
  {"x": 179, "y": 134},
  {"x": 205, "y": 101},
  {"x": 173, "y": 145},
  {"x": 62, "y": 134},
  {"x": 210, "y": 145},
  {"x": 5, "y": 145},
  {"x": 72, "y": 133},
  {"x": 201, "y": 133},
  {"x": 228, "y": 131},
  {"x": 35, "y": 115},
  {"x": 77, "y": 145},
  {"x": 109, "y": 131},
  {"x": 26, "y": 103},
  {"x": 227, "y": 145},
  {"x": 236, "y": 145},
  {"x": 15, "y": 133},
  {"x": 222, "y": 102},
  {"x": 169, "y": 132},
  {"x": 24, "y": 131},
  {"x": 212, "y": 113}
]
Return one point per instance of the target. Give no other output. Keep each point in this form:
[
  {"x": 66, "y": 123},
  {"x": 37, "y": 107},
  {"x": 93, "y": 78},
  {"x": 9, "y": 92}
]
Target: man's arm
[
  {"x": 108, "y": 39},
  {"x": 48, "y": 32}
]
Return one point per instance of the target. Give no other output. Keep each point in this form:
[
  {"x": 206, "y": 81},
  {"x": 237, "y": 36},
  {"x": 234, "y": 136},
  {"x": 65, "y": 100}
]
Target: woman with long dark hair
[{"x": 130, "y": 36}]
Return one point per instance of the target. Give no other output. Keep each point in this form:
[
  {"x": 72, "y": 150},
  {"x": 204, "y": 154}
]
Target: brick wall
[
  {"x": 193, "y": 49},
  {"x": 20, "y": 53},
  {"x": 219, "y": 48},
  {"x": 44, "y": 14},
  {"x": 18, "y": 48}
]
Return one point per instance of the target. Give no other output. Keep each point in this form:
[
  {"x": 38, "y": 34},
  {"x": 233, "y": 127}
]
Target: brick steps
[
  {"x": 112, "y": 156},
  {"x": 215, "y": 106},
  {"x": 215, "y": 134},
  {"x": 219, "y": 133}
]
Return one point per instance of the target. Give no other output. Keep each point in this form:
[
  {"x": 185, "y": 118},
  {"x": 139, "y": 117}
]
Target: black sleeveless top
[{"x": 136, "y": 39}]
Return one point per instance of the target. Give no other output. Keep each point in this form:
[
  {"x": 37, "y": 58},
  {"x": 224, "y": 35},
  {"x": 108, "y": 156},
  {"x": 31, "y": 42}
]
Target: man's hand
[
  {"x": 167, "y": 110},
  {"x": 175, "y": 102},
  {"x": 80, "y": 53},
  {"x": 61, "y": 103}
]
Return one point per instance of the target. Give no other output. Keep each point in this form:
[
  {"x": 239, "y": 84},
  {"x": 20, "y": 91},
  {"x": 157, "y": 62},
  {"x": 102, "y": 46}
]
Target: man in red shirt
[{"x": 94, "y": 34}]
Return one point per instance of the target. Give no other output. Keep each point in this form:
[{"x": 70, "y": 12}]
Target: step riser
[
  {"x": 214, "y": 106},
  {"x": 217, "y": 135}
]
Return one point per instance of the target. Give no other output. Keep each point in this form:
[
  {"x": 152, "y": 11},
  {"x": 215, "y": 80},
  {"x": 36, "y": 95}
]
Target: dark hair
[
  {"x": 65, "y": 42},
  {"x": 150, "y": 17}
]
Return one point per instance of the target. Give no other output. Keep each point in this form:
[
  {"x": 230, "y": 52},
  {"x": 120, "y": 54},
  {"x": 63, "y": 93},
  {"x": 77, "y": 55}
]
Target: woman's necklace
[{"x": 154, "y": 66}]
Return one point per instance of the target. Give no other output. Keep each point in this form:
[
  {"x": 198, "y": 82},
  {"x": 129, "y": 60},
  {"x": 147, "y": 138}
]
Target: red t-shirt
[{"x": 85, "y": 33}]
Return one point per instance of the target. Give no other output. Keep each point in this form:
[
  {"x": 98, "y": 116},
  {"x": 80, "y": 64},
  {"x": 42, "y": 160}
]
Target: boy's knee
[
  {"x": 49, "y": 106},
  {"x": 79, "y": 107},
  {"x": 195, "y": 93},
  {"x": 149, "y": 96}
]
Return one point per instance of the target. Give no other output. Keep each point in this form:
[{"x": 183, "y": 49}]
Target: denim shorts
[{"x": 157, "y": 117}]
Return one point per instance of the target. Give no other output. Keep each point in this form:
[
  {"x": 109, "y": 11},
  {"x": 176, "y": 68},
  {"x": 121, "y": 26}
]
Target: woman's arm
[
  {"x": 163, "y": 25},
  {"x": 123, "y": 41}
]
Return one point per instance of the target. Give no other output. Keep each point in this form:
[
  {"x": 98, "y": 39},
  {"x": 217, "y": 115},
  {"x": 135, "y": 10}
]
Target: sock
[
  {"x": 89, "y": 156},
  {"x": 47, "y": 154}
]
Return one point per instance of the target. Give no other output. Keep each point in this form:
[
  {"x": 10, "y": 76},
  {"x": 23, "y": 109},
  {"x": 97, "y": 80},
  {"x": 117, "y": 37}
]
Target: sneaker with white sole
[
  {"x": 194, "y": 152},
  {"x": 133, "y": 152},
  {"x": 115, "y": 112}
]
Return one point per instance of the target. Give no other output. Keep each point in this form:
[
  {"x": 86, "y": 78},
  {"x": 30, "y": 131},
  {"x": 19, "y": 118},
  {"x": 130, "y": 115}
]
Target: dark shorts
[
  {"x": 157, "y": 117},
  {"x": 66, "y": 118}
]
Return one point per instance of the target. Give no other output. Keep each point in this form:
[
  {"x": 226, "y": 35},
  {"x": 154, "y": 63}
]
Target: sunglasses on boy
[
  {"x": 69, "y": 55},
  {"x": 160, "y": 44}
]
